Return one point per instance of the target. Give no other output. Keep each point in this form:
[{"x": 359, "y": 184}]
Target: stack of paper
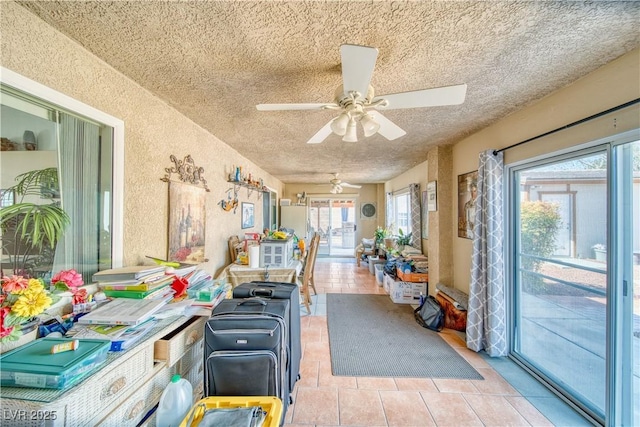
[{"x": 123, "y": 311}]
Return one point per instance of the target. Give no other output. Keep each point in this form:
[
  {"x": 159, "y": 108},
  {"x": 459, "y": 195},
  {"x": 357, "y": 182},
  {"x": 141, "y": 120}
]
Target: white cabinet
[{"x": 297, "y": 218}]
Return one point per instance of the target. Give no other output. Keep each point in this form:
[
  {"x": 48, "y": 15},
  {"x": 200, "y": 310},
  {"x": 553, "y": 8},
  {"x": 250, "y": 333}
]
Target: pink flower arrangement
[{"x": 71, "y": 280}]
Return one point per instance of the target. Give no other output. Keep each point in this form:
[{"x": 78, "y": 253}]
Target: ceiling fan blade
[
  {"x": 357, "y": 67},
  {"x": 346, "y": 184},
  {"x": 448, "y": 95},
  {"x": 388, "y": 129},
  {"x": 321, "y": 135},
  {"x": 278, "y": 107}
]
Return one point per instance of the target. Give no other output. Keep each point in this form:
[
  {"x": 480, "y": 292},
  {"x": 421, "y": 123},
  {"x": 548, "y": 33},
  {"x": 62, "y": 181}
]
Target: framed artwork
[
  {"x": 467, "y": 193},
  {"x": 425, "y": 216},
  {"x": 432, "y": 205},
  {"x": 187, "y": 218},
  {"x": 248, "y": 219}
]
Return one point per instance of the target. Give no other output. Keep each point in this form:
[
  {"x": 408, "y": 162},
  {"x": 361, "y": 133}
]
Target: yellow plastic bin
[{"x": 270, "y": 404}]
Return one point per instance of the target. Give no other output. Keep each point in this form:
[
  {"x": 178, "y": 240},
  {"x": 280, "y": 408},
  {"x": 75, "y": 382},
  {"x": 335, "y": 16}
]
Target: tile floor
[{"x": 321, "y": 399}]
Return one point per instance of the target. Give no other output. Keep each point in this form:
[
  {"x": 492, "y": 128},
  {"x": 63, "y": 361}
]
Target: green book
[{"x": 137, "y": 294}]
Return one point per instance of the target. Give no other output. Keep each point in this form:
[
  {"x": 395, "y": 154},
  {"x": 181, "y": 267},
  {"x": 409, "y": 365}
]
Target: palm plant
[{"x": 31, "y": 230}]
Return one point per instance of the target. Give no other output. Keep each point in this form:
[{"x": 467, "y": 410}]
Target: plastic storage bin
[
  {"x": 276, "y": 253},
  {"x": 33, "y": 365},
  {"x": 207, "y": 290},
  {"x": 379, "y": 269},
  {"x": 270, "y": 404}
]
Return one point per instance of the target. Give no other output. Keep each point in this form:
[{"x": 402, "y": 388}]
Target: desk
[{"x": 237, "y": 273}]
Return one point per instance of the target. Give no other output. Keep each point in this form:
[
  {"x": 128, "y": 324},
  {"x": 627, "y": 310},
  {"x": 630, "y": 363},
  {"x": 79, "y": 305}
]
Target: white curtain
[
  {"x": 486, "y": 317},
  {"x": 414, "y": 201},
  {"x": 79, "y": 153}
]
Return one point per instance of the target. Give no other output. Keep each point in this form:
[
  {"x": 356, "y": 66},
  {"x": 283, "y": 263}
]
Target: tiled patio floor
[{"x": 321, "y": 399}]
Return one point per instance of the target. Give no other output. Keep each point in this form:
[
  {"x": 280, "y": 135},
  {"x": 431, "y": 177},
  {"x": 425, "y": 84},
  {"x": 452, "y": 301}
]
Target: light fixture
[
  {"x": 369, "y": 125},
  {"x": 340, "y": 123},
  {"x": 351, "y": 134}
]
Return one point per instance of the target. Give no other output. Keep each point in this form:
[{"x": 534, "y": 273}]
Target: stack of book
[{"x": 139, "y": 282}]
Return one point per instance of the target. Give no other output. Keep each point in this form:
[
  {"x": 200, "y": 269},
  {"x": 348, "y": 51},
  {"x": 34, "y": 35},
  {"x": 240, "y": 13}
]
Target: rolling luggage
[
  {"x": 277, "y": 290},
  {"x": 246, "y": 349}
]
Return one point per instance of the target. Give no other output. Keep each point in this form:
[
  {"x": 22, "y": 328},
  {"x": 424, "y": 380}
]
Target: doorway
[{"x": 334, "y": 219}]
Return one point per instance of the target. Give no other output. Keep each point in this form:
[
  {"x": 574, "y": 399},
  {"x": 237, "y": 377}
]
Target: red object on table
[{"x": 179, "y": 285}]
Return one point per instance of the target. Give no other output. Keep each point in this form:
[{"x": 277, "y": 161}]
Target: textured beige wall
[
  {"x": 153, "y": 132},
  {"x": 611, "y": 85}
]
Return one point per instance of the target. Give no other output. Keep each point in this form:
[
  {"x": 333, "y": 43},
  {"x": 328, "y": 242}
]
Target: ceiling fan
[
  {"x": 356, "y": 100},
  {"x": 337, "y": 185}
]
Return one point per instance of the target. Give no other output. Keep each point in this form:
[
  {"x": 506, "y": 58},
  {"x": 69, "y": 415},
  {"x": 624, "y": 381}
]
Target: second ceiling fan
[
  {"x": 356, "y": 100},
  {"x": 337, "y": 185}
]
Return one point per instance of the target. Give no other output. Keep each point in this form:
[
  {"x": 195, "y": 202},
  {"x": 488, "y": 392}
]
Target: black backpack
[{"x": 429, "y": 314}]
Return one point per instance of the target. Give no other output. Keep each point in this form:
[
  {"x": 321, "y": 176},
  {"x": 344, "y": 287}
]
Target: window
[
  {"x": 67, "y": 155},
  {"x": 401, "y": 213}
]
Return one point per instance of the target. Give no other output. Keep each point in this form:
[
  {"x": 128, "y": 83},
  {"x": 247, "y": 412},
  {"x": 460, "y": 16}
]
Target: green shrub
[{"x": 539, "y": 223}]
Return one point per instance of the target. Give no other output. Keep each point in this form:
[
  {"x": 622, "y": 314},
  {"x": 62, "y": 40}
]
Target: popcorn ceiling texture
[
  {"x": 153, "y": 132},
  {"x": 215, "y": 60}
]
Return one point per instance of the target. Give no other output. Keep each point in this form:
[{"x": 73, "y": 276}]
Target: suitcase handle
[
  {"x": 261, "y": 292},
  {"x": 258, "y": 301}
]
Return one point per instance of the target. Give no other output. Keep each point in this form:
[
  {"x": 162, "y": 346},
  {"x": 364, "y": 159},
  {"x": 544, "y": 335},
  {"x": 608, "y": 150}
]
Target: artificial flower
[
  {"x": 14, "y": 284},
  {"x": 71, "y": 278},
  {"x": 5, "y": 330},
  {"x": 31, "y": 303},
  {"x": 21, "y": 299},
  {"x": 79, "y": 296}
]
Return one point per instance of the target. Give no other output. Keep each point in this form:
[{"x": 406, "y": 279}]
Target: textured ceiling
[{"x": 215, "y": 60}]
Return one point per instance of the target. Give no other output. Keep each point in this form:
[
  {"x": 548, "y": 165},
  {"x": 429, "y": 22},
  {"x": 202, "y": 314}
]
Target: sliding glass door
[
  {"x": 334, "y": 220},
  {"x": 576, "y": 276}
]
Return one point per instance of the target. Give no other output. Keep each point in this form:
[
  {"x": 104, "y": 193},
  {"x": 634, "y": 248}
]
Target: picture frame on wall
[
  {"x": 467, "y": 193},
  {"x": 187, "y": 218},
  {"x": 248, "y": 217},
  {"x": 432, "y": 205}
]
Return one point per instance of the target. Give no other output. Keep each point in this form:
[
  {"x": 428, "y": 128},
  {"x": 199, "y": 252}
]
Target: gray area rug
[{"x": 370, "y": 336}]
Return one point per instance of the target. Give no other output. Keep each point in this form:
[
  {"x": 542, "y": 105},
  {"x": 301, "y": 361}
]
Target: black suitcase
[
  {"x": 280, "y": 290},
  {"x": 246, "y": 349}
]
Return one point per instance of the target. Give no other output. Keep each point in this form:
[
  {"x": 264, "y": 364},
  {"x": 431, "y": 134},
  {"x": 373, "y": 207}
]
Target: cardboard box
[
  {"x": 402, "y": 292},
  {"x": 413, "y": 276}
]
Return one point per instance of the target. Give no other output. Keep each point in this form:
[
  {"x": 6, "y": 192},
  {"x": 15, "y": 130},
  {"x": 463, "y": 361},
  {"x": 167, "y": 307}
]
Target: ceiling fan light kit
[{"x": 356, "y": 100}]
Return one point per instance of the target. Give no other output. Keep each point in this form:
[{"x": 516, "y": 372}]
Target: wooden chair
[
  {"x": 234, "y": 241},
  {"x": 306, "y": 279},
  {"x": 315, "y": 240}
]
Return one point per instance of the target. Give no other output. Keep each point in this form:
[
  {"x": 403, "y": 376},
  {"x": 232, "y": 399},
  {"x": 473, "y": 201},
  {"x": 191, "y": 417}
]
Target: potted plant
[
  {"x": 30, "y": 231},
  {"x": 403, "y": 239},
  {"x": 379, "y": 235}
]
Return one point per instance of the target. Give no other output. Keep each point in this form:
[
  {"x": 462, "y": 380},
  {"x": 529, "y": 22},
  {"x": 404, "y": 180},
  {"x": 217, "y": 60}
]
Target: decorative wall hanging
[
  {"x": 187, "y": 218},
  {"x": 467, "y": 192},
  {"x": 187, "y": 210},
  {"x": 187, "y": 171},
  {"x": 229, "y": 204}
]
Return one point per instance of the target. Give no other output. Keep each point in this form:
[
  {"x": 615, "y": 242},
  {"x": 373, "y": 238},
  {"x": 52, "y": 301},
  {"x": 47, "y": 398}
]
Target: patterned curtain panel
[
  {"x": 416, "y": 230},
  {"x": 486, "y": 316},
  {"x": 389, "y": 213},
  {"x": 79, "y": 161}
]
